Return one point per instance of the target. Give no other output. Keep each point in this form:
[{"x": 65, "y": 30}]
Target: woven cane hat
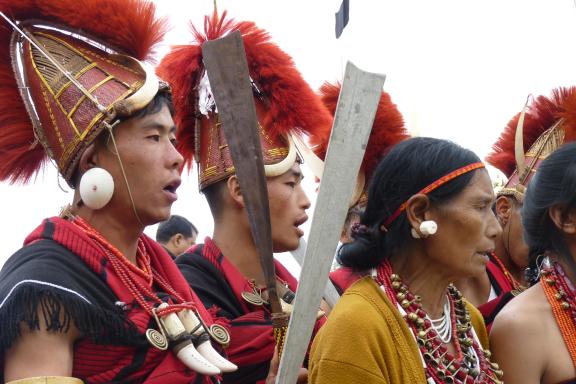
[
  {"x": 285, "y": 103},
  {"x": 547, "y": 123},
  {"x": 68, "y": 70}
]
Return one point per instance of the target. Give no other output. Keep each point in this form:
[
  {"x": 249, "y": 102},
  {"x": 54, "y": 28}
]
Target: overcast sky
[{"x": 456, "y": 69}]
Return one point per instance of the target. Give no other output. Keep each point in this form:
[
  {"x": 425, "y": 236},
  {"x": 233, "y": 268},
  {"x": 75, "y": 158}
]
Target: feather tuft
[
  {"x": 129, "y": 26},
  {"x": 540, "y": 116},
  {"x": 387, "y": 130},
  {"x": 291, "y": 104}
]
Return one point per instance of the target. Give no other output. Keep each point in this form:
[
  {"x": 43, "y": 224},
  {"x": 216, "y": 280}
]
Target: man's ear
[
  {"x": 417, "y": 208},
  {"x": 233, "y": 188},
  {"x": 176, "y": 239},
  {"x": 564, "y": 222},
  {"x": 88, "y": 159},
  {"x": 504, "y": 207}
]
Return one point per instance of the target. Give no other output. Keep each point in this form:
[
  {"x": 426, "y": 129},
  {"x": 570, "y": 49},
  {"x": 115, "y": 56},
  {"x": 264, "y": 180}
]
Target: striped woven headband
[{"x": 441, "y": 181}]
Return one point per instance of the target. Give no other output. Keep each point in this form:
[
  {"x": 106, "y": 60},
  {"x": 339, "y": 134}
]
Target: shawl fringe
[{"x": 30, "y": 304}]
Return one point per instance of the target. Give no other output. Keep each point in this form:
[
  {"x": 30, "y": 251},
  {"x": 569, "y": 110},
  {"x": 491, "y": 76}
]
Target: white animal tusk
[
  {"x": 207, "y": 351},
  {"x": 195, "y": 361},
  {"x": 195, "y": 327}
]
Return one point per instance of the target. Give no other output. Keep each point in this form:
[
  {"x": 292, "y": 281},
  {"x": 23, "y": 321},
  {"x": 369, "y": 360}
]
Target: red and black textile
[
  {"x": 503, "y": 289},
  {"x": 219, "y": 285},
  {"x": 61, "y": 270},
  {"x": 344, "y": 277}
]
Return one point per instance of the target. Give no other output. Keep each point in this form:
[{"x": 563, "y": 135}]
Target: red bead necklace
[
  {"x": 513, "y": 282},
  {"x": 128, "y": 272},
  {"x": 471, "y": 364},
  {"x": 561, "y": 295}
]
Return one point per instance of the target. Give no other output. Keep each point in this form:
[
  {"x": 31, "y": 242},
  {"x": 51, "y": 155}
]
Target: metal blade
[
  {"x": 225, "y": 61},
  {"x": 352, "y": 125},
  {"x": 331, "y": 295}
]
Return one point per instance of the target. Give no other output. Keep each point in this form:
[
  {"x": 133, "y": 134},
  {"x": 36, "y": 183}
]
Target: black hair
[
  {"x": 553, "y": 185},
  {"x": 173, "y": 226},
  {"x": 163, "y": 97},
  {"x": 214, "y": 194},
  {"x": 409, "y": 167}
]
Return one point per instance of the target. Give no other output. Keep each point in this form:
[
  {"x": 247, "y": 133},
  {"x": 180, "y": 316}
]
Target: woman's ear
[
  {"x": 565, "y": 222},
  {"x": 233, "y": 188},
  {"x": 416, "y": 208}
]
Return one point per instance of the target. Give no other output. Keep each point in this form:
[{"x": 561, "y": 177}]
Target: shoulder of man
[{"x": 47, "y": 275}]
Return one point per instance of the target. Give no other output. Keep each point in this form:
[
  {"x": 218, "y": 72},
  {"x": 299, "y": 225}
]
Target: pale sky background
[{"x": 457, "y": 69}]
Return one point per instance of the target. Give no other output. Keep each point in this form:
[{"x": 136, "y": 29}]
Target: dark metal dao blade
[{"x": 225, "y": 62}]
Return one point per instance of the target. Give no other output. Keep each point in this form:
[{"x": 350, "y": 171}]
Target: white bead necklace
[{"x": 443, "y": 325}]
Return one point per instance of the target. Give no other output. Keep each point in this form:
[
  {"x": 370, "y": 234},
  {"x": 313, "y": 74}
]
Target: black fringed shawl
[{"x": 48, "y": 274}]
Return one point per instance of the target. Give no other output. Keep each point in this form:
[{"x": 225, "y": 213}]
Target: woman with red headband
[{"x": 428, "y": 222}]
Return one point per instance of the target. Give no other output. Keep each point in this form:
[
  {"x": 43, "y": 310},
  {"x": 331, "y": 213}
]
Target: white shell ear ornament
[
  {"x": 96, "y": 188},
  {"x": 427, "y": 228}
]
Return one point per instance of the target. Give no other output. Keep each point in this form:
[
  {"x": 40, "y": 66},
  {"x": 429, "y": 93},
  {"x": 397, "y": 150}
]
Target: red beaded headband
[{"x": 441, "y": 181}]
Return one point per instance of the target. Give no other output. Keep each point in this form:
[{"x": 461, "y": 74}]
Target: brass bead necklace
[{"x": 471, "y": 365}]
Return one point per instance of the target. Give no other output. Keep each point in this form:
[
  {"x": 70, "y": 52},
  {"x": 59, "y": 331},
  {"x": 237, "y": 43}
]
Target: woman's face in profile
[{"x": 467, "y": 229}]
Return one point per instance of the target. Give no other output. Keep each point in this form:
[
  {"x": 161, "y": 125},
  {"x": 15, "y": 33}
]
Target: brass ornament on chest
[
  {"x": 156, "y": 339},
  {"x": 253, "y": 298},
  {"x": 219, "y": 334}
]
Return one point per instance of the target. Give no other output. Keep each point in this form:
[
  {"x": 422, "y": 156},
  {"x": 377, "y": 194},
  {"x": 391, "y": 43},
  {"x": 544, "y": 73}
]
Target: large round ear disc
[{"x": 96, "y": 188}]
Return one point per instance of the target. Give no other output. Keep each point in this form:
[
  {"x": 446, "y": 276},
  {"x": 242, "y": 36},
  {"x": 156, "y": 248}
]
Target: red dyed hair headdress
[
  {"x": 548, "y": 123},
  {"x": 285, "y": 104},
  {"x": 387, "y": 130},
  {"x": 45, "y": 113}
]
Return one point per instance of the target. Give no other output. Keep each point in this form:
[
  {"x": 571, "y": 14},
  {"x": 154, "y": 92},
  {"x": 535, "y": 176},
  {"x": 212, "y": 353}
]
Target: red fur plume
[
  {"x": 182, "y": 68},
  {"x": 293, "y": 105},
  {"x": 128, "y": 26},
  {"x": 387, "y": 130},
  {"x": 540, "y": 116}
]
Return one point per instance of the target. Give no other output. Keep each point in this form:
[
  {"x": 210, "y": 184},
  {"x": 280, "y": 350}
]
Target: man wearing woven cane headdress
[
  {"x": 225, "y": 271},
  {"x": 542, "y": 320},
  {"x": 518, "y": 153},
  {"x": 89, "y": 297}
]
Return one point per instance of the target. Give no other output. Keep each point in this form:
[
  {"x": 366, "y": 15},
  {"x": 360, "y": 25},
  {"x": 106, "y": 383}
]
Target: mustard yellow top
[{"x": 366, "y": 340}]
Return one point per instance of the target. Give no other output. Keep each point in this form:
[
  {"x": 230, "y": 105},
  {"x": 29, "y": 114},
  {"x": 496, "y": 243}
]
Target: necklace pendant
[
  {"x": 252, "y": 298},
  {"x": 156, "y": 339},
  {"x": 219, "y": 334}
]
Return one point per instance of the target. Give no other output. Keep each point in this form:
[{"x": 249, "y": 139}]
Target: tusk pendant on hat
[
  {"x": 283, "y": 166},
  {"x": 313, "y": 162},
  {"x": 144, "y": 95}
]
